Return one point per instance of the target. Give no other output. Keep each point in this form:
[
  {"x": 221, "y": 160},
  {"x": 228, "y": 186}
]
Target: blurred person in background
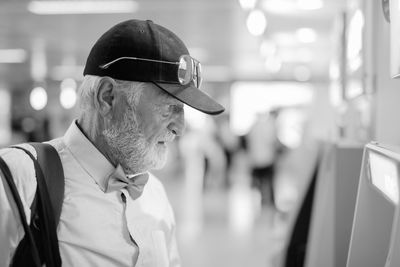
[
  {"x": 230, "y": 143},
  {"x": 203, "y": 170},
  {"x": 138, "y": 76},
  {"x": 262, "y": 147},
  {"x": 214, "y": 157}
]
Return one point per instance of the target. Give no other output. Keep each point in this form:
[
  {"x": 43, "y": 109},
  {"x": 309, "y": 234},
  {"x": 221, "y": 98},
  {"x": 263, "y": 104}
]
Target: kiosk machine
[
  {"x": 375, "y": 237},
  {"x": 333, "y": 208}
]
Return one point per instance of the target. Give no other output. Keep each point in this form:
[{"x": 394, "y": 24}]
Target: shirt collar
[{"x": 88, "y": 156}]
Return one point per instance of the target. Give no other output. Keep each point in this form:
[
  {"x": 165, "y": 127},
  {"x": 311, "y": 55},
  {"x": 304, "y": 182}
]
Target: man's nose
[{"x": 177, "y": 125}]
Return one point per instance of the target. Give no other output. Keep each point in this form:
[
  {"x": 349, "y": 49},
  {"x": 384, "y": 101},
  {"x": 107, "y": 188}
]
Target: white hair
[
  {"x": 90, "y": 85},
  {"x": 88, "y": 90}
]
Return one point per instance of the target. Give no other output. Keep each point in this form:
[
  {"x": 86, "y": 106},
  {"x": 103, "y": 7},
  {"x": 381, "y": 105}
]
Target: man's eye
[
  {"x": 166, "y": 112},
  {"x": 176, "y": 109},
  {"x": 171, "y": 109}
]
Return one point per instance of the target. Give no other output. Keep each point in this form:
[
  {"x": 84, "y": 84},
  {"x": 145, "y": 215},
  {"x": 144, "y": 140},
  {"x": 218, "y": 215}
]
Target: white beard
[{"x": 130, "y": 148}]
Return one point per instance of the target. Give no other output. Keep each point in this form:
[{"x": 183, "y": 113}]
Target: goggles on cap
[{"x": 188, "y": 68}]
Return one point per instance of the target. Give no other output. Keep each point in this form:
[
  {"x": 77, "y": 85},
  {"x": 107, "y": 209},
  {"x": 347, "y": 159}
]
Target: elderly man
[{"x": 137, "y": 78}]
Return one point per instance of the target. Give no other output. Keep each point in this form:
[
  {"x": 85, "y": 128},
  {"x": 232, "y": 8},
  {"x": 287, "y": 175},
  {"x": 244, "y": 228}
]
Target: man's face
[{"x": 138, "y": 139}]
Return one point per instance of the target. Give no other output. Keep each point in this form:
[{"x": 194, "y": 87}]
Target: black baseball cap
[{"x": 137, "y": 50}]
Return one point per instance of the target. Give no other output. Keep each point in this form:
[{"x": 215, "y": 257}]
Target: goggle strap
[
  {"x": 105, "y": 66},
  {"x": 160, "y": 73}
]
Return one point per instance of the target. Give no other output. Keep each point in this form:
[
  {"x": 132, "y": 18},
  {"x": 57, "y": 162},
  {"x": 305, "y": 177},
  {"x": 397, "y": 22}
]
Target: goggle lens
[
  {"x": 189, "y": 70},
  {"x": 199, "y": 79},
  {"x": 185, "y": 70}
]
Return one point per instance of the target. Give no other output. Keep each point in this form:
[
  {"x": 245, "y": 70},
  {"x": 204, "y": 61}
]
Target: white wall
[
  {"x": 321, "y": 114},
  {"x": 387, "y": 105}
]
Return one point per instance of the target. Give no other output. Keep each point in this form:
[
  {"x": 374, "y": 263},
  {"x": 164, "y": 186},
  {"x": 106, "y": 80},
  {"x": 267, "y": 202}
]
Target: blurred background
[{"x": 292, "y": 74}]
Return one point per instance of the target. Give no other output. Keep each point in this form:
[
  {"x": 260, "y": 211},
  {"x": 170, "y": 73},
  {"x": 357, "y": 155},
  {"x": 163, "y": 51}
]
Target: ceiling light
[
  {"x": 355, "y": 35},
  {"x": 306, "y": 35},
  {"x": 12, "y": 55},
  {"x": 256, "y": 22},
  {"x": 38, "y": 98},
  {"x": 68, "y": 93},
  {"x": 310, "y": 4},
  {"x": 81, "y": 7},
  {"x": 247, "y": 4},
  {"x": 68, "y": 98},
  {"x": 279, "y": 6}
]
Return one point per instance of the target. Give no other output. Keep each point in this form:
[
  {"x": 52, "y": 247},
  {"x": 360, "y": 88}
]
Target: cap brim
[{"x": 193, "y": 97}]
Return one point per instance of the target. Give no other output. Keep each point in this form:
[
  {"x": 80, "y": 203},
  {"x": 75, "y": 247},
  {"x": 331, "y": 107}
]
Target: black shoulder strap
[
  {"x": 35, "y": 261},
  {"x": 50, "y": 163},
  {"x": 46, "y": 208}
]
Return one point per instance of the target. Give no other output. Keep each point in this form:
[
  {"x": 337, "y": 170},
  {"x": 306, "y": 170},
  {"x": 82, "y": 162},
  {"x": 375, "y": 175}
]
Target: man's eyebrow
[
  {"x": 177, "y": 104},
  {"x": 171, "y": 101}
]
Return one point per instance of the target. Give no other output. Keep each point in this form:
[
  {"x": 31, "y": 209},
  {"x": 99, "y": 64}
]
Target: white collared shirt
[{"x": 96, "y": 228}]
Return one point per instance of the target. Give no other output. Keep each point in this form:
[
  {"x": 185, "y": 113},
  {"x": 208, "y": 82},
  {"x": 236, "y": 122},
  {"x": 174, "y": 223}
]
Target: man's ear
[{"x": 105, "y": 97}]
